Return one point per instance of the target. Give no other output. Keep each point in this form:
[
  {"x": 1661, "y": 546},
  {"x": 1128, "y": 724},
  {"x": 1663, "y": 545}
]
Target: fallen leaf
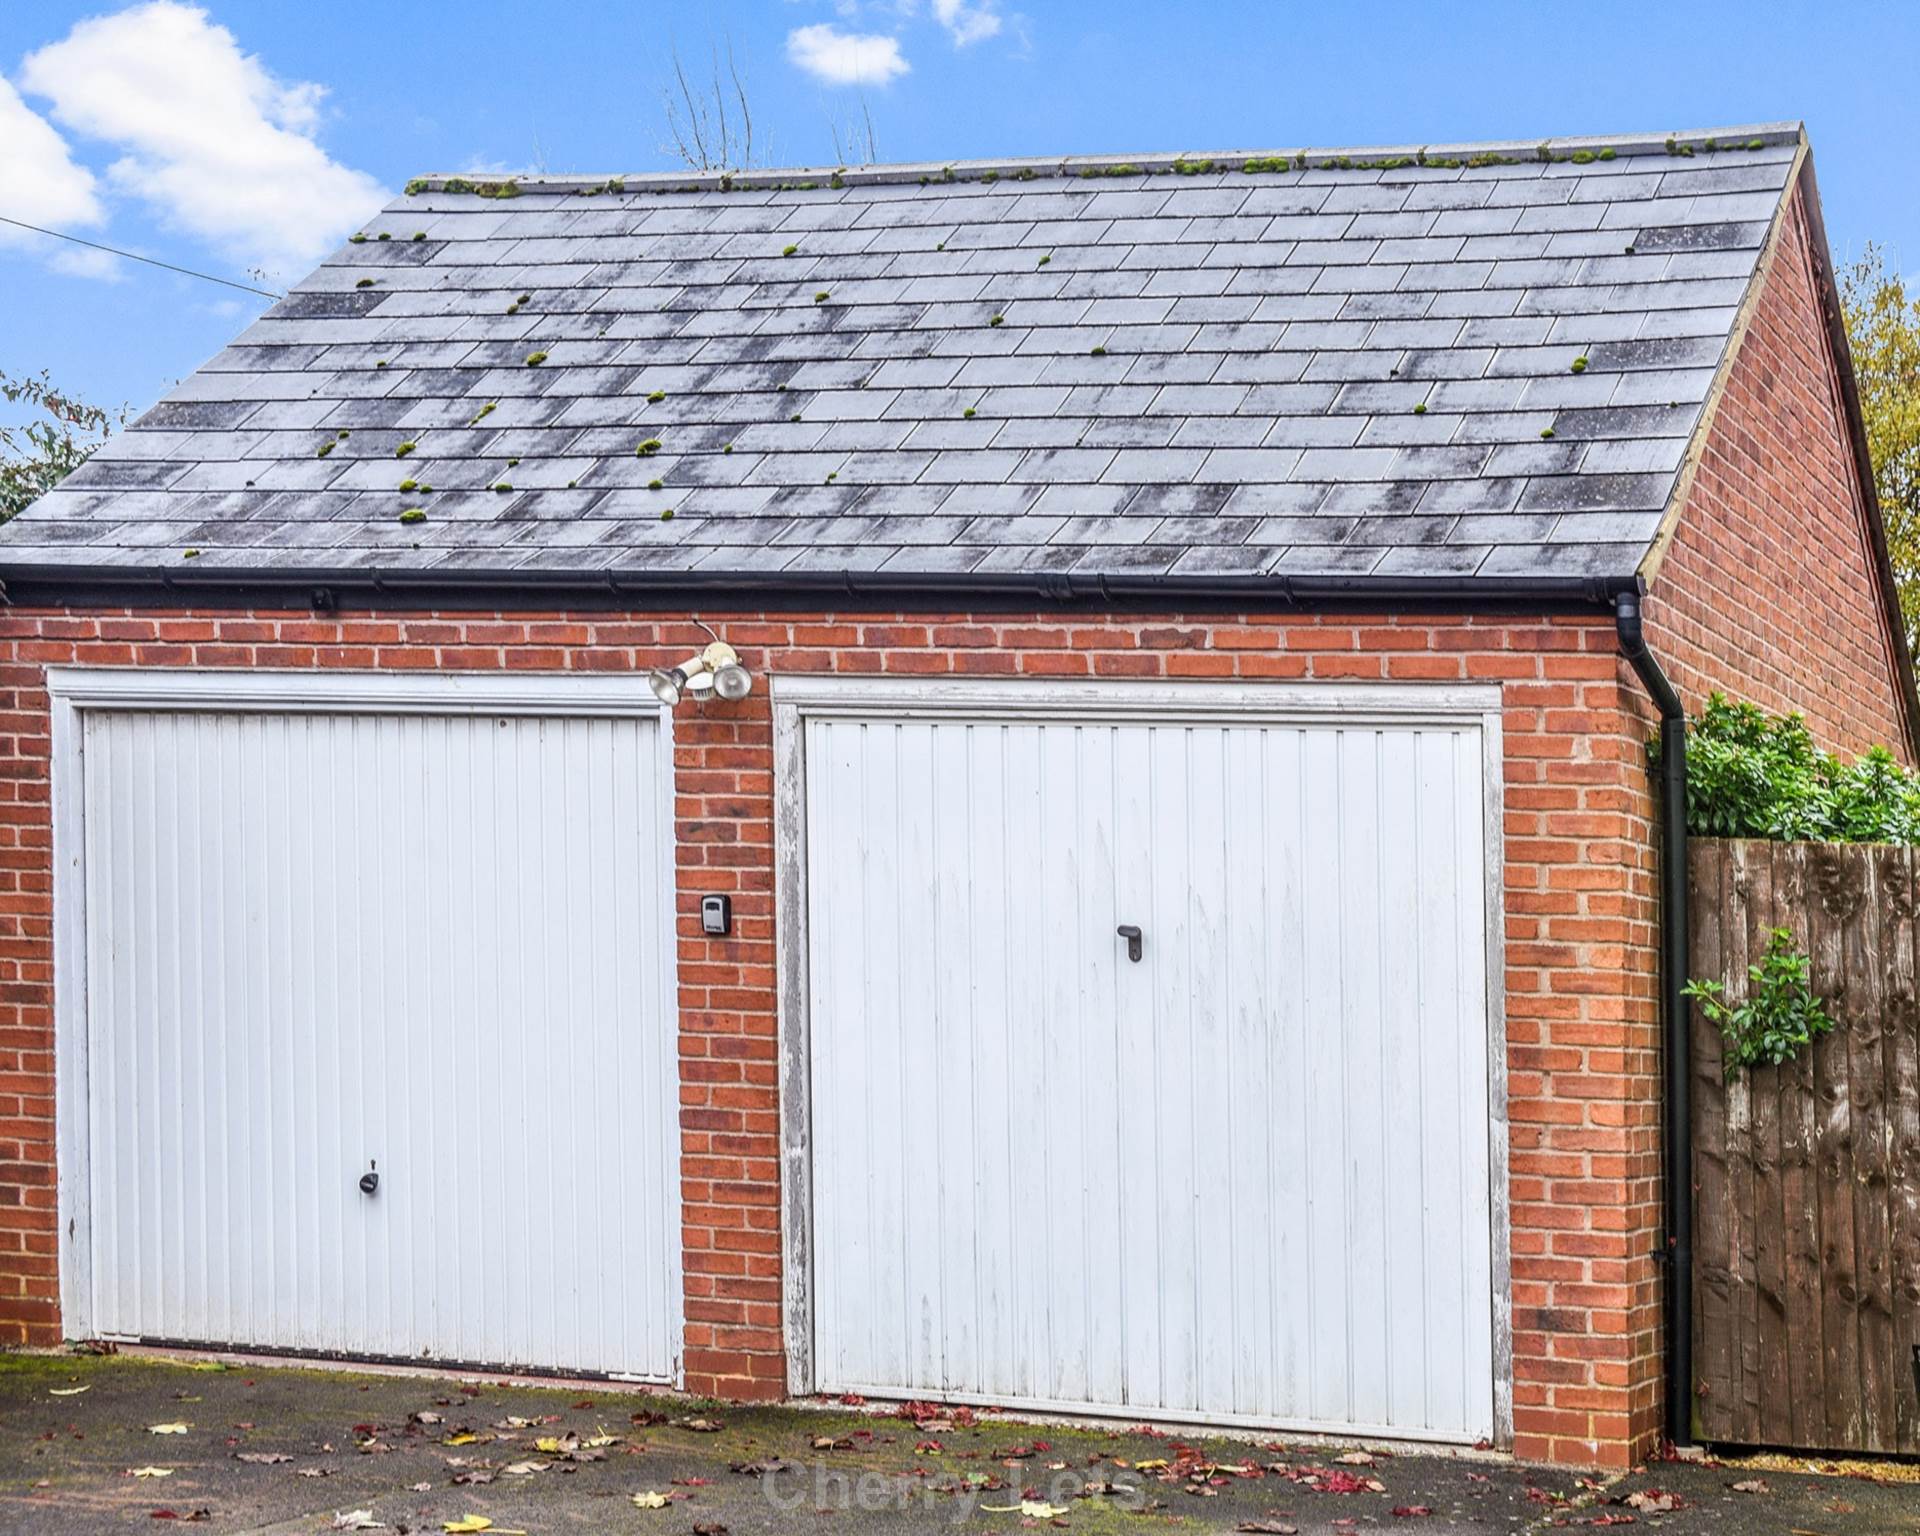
[
  {"x": 1410, "y": 1511},
  {"x": 166, "y": 1429},
  {"x": 651, "y": 1500},
  {"x": 759, "y": 1468},
  {"x": 427, "y": 1417},
  {"x": 314, "y": 1472},
  {"x": 356, "y": 1520},
  {"x": 68, "y": 1391},
  {"x": 1356, "y": 1459},
  {"x": 702, "y": 1426},
  {"x": 151, "y": 1472},
  {"x": 420, "y": 1487},
  {"x": 1032, "y": 1509},
  {"x": 709, "y": 1528},
  {"x": 523, "y": 1468},
  {"x": 1268, "y": 1528},
  {"x": 829, "y": 1443},
  {"x": 462, "y": 1437},
  {"x": 1654, "y": 1501},
  {"x": 1752, "y": 1485},
  {"x": 262, "y": 1458}
]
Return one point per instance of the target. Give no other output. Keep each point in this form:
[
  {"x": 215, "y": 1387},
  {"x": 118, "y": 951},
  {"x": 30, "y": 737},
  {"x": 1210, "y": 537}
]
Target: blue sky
[{"x": 249, "y": 137}]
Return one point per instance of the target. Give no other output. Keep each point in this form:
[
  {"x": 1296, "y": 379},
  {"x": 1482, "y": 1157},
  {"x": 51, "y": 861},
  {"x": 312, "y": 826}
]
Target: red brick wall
[
  {"x": 1580, "y": 1027},
  {"x": 1768, "y": 591}
]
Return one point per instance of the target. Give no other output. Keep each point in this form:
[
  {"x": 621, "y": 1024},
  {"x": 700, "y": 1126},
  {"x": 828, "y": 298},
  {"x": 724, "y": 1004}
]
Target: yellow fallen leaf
[
  {"x": 153, "y": 1471},
  {"x": 1157, "y": 1465},
  {"x": 462, "y": 1438},
  {"x": 68, "y": 1391},
  {"x": 166, "y": 1429},
  {"x": 595, "y": 1442},
  {"x": 651, "y": 1500},
  {"x": 467, "y": 1523},
  {"x": 1033, "y": 1509},
  {"x": 549, "y": 1444}
]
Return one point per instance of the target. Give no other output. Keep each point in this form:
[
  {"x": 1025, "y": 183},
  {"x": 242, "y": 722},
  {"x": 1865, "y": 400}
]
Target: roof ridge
[{"x": 1576, "y": 149}]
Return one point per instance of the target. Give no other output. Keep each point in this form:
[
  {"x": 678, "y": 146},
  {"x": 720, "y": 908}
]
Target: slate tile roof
[{"x": 1477, "y": 362}]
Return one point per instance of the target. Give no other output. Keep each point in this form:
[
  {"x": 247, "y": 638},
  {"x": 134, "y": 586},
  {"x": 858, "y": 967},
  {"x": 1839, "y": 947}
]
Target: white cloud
[
  {"x": 846, "y": 58},
  {"x": 41, "y": 184},
  {"x": 218, "y": 146},
  {"x": 968, "y": 23}
]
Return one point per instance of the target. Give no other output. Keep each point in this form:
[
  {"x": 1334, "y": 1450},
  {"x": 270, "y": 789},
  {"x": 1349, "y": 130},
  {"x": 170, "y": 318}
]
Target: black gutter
[
  {"x": 528, "y": 588},
  {"x": 1677, "y": 1055}
]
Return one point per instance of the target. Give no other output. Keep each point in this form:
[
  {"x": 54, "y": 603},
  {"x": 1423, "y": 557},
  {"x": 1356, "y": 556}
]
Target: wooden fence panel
[{"x": 1807, "y": 1177}]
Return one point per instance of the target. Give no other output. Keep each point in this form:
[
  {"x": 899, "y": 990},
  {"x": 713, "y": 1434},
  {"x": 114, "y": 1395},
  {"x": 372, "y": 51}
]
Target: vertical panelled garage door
[
  {"x": 431, "y": 947},
  {"x": 1242, "y": 1177}
]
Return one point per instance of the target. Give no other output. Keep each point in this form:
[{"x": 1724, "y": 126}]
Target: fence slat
[{"x": 1807, "y": 1177}]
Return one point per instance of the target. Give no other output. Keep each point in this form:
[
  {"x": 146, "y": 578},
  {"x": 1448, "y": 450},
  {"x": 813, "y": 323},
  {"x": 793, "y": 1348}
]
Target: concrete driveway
[{"x": 91, "y": 1444}]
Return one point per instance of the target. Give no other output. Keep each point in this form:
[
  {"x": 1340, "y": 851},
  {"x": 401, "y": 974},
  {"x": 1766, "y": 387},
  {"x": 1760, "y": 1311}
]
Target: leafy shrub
[
  {"x": 1781, "y": 1015},
  {"x": 1752, "y": 774}
]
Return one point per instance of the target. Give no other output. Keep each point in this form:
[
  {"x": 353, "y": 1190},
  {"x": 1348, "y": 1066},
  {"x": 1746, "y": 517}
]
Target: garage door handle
[
  {"x": 1131, "y": 933},
  {"x": 369, "y": 1181}
]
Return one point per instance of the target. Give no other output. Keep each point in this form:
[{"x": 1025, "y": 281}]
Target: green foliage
[
  {"x": 535, "y": 359},
  {"x": 37, "y": 455},
  {"x": 414, "y": 515},
  {"x": 1752, "y": 774},
  {"x": 1883, "y": 327},
  {"x": 1781, "y": 1015}
]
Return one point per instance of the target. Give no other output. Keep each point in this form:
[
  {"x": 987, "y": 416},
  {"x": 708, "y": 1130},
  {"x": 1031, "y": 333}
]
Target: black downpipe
[{"x": 1674, "y": 1015}]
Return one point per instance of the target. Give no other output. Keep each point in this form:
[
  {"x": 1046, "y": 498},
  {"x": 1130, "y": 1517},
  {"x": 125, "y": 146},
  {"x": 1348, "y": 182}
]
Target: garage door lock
[
  {"x": 370, "y": 1180},
  {"x": 1131, "y": 933}
]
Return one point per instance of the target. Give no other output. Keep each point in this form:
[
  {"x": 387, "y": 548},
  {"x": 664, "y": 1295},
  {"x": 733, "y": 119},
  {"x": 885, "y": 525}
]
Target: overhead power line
[{"x": 114, "y": 250}]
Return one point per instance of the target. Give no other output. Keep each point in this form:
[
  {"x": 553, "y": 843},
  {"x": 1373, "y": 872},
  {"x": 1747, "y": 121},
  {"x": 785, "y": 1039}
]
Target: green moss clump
[
  {"x": 790, "y": 250},
  {"x": 967, "y": 414},
  {"x": 656, "y": 485},
  {"x": 998, "y": 320},
  {"x": 512, "y": 463},
  {"x": 419, "y": 234},
  {"x": 835, "y": 475},
  {"x": 727, "y": 448},
  {"x": 822, "y": 296},
  {"x": 794, "y": 417},
  {"x": 413, "y": 515},
  {"x": 656, "y": 397},
  {"x": 666, "y": 514},
  {"x": 418, "y": 185},
  {"x": 385, "y": 236},
  {"x": 495, "y": 189},
  {"x": 1098, "y": 352},
  {"x": 1192, "y": 167},
  {"x": 484, "y": 412},
  {"x": 409, "y": 485},
  {"x": 365, "y": 282},
  {"x": 189, "y": 554},
  {"x": 535, "y": 359},
  {"x": 1580, "y": 363},
  {"x": 502, "y": 485},
  {"x": 648, "y": 449},
  {"x": 356, "y": 240},
  {"x": 1546, "y": 431},
  {"x": 1047, "y": 258},
  {"x": 404, "y": 449},
  {"x": 1420, "y": 409},
  {"x": 1267, "y": 164},
  {"x": 381, "y": 363},
  {"x": 324, "y": 449},
  {"x": 1094, "y": 172}
]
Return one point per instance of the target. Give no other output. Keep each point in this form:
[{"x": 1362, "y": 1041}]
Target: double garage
[{"x": 1140, "y": 1045}]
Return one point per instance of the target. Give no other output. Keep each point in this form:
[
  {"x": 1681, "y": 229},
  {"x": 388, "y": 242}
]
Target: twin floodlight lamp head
[{"x": 716, "y": 670}]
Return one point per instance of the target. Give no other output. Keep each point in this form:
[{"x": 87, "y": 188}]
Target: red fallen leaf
[
  {"x": 853, "y": 1400},
  {"x": 928, "y": 1448},
  {"x": 1409, "y": 1511},
  {"x": 694, "y": 1482},
  {"x": 1611, "y": 1520},
  {"x": 1333, "y": 1480}
]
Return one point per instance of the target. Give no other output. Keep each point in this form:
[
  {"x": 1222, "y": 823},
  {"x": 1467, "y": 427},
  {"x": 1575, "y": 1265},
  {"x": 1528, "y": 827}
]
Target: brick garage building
[{"x": 1231, "y": 552}]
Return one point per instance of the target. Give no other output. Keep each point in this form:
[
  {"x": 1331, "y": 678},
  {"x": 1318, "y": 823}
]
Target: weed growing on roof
[
  {"x": 381, "y": 363},
  {"x": 1098, "y": 352},
  {"x": 497, "y": 189},
  {"x": 484, "y": 412},
  {"x": 344, "y": 432},
  {"x": 356, "y": 240},
  {"x": 836, "y": 181},
  {"x": 1266, "y": 163},
  {"x": 941, "y": 246},
  {"x": 323, "y": 450},
  {"x": 1420, "y": 409},
  {"x": 835, "y": 475},
  {"x": 404, "y": 449},
  {"x": 726, "y": 448},
  {"x": 1094, "y": 172},
  {"x": 1192, "y": 167},
  {"x": 414, "y": 515},
  {"x": 1580, "y": 363},
  {"x": 409, "y": 485},
  {"x": 967, "y": 414},
  {"x": 418, "y": 185},
  {"x": 657, "y": 396},
  {"x": 365, "y": 282},
  {"x": 535, "y": 359},
  {"x": 1546, "y": 431},
  {"x": 419, "y": 234},
  {"x": 502, "y": 485},
  {"x": 790, "y": 250},
  {"x": 821, "y": 297},
  {"x": 648, "y": 449},
  {"x": 656, "y": 485},
  {"x": 1675, "y": 147},
  {"x": 998, "y": 320},
  {"x": 666, "y": 514},
  {"x": 385, "y": 236},
  {"x": 513, "y": 463},
  {"x": 1046, "y": 258}
]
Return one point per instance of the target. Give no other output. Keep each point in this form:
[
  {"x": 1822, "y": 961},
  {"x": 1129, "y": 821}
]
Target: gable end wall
[{"x": 1769, "y": 590}]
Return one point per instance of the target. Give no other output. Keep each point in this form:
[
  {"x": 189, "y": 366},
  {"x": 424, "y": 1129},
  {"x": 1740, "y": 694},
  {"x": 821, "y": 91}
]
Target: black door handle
[
  {"x": 369, "y": 1182},
  {"x": 1131, "y": 933}
]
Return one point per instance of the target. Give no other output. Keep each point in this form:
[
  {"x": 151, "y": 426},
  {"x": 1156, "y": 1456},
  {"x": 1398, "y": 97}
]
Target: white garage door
[
  {"x": 1241, "y": 1177},
  {"x": 426, "y": 940}
]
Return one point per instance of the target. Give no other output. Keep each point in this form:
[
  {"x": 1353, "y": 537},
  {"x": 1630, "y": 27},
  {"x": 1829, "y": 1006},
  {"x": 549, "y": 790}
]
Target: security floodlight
[{"x": 717, "y": 669}]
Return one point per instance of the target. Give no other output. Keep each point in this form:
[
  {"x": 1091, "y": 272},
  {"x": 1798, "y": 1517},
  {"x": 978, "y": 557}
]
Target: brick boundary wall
[
  {"x": 1768, "y": 591},
  {"x": 1582, "y": 1015}
]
